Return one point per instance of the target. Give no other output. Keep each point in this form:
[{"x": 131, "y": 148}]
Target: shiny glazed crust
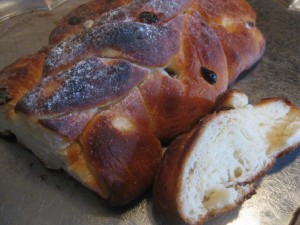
[{"x": 119, "y": 77}]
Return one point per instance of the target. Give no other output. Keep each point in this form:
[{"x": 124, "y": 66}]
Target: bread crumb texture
[{"x": 233, "y": 149}]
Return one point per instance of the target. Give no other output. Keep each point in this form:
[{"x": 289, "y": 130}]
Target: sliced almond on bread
[{"x": 213, "y": 168}]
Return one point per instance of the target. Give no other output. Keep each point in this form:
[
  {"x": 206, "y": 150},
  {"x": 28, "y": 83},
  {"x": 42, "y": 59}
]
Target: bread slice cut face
[{"x": 212, "y": 169}]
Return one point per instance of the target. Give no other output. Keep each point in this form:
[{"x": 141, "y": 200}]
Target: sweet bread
[
  {"x": 121, "y": 77},
  {"x": 213, "y": 168}
]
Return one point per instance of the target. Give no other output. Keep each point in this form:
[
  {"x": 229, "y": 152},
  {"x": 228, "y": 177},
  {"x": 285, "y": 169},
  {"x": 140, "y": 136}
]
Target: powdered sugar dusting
[
  {"x": 89, "y": 83},
  {"x": 167, "y": 8},
  {"x": 139, "y": 43},
  {"x": 130, "y": 12},
  {"x": 71, "y": 124}
]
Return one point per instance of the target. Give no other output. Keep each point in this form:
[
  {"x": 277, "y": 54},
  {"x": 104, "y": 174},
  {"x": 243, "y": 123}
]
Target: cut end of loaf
[
  {"x": 228, "y": 152},
  {"x": 46, "y": 144},
  {"x": 236, "y": 147}
]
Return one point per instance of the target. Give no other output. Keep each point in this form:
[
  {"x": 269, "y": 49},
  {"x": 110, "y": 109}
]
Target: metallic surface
[
  {"x": 30, "y": 194},
  {"x": 291, "y": 4},
  {"x": 10, "y": 8}
]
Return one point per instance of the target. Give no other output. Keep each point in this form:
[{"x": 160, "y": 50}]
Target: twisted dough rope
[{"x": 145, "y": 71}]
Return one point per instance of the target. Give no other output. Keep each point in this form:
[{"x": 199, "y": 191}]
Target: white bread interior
[
  {"x": 233, "y": 148},
  {"x": 49, "y": 146}
]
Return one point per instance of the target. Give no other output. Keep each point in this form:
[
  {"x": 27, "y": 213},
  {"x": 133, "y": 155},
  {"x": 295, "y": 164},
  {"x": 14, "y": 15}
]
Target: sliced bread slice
[{"x": 212, "y": 169}]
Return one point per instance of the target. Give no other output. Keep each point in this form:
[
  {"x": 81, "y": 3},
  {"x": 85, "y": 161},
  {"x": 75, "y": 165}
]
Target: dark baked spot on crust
[
  {"x": 89, "y": 83},
  {"x": 119, "y": 73},
  {"x": 139, "y": 43},
  {"x": 89, "y": 11}
]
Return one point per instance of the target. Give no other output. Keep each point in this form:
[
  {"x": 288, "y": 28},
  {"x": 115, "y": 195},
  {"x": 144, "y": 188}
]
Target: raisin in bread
[{"x": 118, "y": 78}]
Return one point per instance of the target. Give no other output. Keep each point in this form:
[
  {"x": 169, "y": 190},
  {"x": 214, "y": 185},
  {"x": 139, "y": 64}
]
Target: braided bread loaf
[{"x": 119, "y": 78}]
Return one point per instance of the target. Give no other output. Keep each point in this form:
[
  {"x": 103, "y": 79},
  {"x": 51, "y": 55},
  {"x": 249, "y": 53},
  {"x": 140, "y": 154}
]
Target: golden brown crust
[
  {"x": 74, "y": 22},
  {"x": 89, "y": 83},
  {"x": 203, "y": 50},
  {"x": 234, "y": 22},
  {"x": 101, "y": 12},
  {"x": 152, "y": 66},
  {"x": 139, "y": 43},
  {"x": 173, "y": 107},
  {"x": 121, "y": 150},
  {"x": 276, "y": 99},
  {"x": 77, "y": 164},
  {"x": 175, "y": 102},
  {"x": 240, "y": 48},
  {"x": 166, "y": 184},
  {"x": 227, "y": 100},
  {"x": 23, "y": 75},
  {"x": 69, "y": 125},
  {"x": 234, "y": 9}
]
